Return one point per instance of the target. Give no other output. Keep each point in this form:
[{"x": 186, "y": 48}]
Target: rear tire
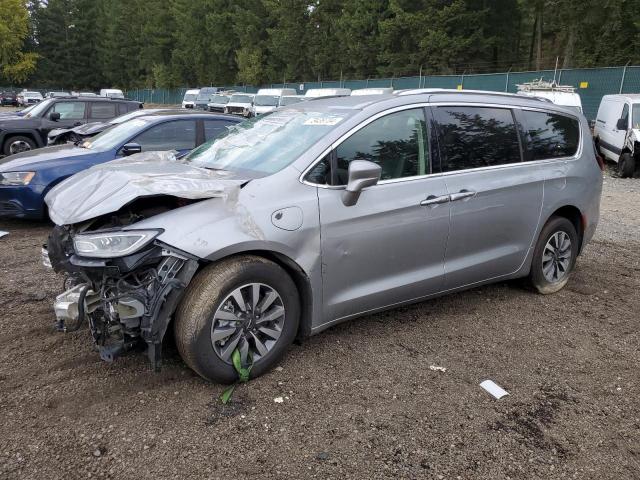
[
  {"x": 18, "y": 144},
  {"x": 554, "y": 258},
  {"x": 626, "y": 165},
  {"x": 211, "y": 292}
]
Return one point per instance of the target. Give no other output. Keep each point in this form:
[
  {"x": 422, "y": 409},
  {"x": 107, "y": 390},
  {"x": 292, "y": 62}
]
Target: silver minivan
[{"x": 318, "y": 213}]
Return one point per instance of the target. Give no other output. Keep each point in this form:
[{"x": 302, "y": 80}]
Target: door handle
[
  {"x": 434, "y": 200},
  {"x": 462, "y": 194}
]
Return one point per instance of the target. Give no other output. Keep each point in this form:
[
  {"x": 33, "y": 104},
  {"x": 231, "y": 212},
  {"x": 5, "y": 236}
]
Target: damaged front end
[
  {"x": 122, "y": 280},
  {"x": 126, "y": 300}
]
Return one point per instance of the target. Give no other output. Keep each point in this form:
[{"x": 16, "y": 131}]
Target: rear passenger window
[
  {"x": 474, "y": 137},
  {"x": 396, "y": 142},
  {"x": 551, "y": 135},
  {"x": 103, "y": 110}
]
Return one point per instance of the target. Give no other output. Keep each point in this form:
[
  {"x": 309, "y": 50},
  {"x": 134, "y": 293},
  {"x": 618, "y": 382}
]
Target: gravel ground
[{"x": 359, "y": 401}]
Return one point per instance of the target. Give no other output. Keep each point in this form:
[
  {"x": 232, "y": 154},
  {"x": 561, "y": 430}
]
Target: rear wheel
[
  {"x": 626, "y": 165},
  {"x": 554, "y": 256},
  {"x": 18, "y": 144},
  {"x": 246, "y": 303}
]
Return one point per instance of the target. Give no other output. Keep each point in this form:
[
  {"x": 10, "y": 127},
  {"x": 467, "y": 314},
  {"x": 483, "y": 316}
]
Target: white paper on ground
[
  {"x": 2, "y": 234},
  {"x": 494, "y": 389}
]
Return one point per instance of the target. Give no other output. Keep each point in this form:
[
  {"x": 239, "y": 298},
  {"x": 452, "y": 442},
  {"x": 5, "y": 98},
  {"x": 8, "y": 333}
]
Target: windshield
[
  {"x": 204, "y": 96},
  {"x": 241, "y": 99},
  {"x": 32, "y": 94},
  {"x": 59, "y": 94},
  {"x": 265, "y": 144},
  {"x": 219, "y": 99},
  {"x": 114, "y": 136},
  {"x": 189, "y": 97},
  {"x": 266, "y": 101},
  {"x": 289, "y": 100},
  {"x": 635, "y": 116},
  {"x": 39, "y": 108}
]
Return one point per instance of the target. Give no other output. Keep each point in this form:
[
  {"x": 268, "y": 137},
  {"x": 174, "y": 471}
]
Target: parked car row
[
  {"x": 313, "y": 214},
  {"x": 19, "y": 133}
]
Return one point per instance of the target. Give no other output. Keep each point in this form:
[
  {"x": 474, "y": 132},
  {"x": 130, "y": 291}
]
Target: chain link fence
[{"x": 590, "y": 83}]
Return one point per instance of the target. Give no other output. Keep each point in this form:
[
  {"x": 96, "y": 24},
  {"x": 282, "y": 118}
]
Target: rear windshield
[{"x": 265, "y": 144}]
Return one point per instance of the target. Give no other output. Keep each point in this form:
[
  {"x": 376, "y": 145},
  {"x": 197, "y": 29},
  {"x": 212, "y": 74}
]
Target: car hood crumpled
[{"x": 107, "y": 187}]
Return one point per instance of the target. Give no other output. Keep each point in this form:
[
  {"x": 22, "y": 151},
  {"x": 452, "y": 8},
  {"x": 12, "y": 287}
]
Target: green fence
[{"x": 590, "y": 83}]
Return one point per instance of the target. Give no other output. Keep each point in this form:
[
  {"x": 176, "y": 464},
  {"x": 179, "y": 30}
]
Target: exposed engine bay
[{"x": 126, "y": 301}]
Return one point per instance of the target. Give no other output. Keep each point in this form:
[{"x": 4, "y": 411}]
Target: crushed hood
[
  {"x": 85, "y": 129},
  {"x": 107, "y": 187}
]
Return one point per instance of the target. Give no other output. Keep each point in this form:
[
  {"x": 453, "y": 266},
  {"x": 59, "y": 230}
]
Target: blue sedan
[{"x": 25, "y": 178}]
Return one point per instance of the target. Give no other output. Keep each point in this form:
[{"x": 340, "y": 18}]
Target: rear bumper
[{"x": 22, "y": 202}]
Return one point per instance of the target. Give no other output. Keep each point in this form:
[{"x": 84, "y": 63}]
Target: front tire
[
  {"x": 554, "y": 256},
  {"x": 247, "y": 303},
  {"x": 18, "y": 144},
  {"x": 626, "y": 165}
]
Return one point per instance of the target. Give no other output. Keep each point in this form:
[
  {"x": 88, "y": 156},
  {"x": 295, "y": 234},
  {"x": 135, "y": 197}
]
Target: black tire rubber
[
  {"x": 192, "y": 325},
  {"x": 13, "y": 138},
  {"x": 626, "y": 165},
  {"x": 536, "y": 277}
]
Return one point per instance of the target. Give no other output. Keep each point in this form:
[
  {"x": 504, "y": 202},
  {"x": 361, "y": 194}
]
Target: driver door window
[
  {"x": 396, "y": 142},
  {"x": 175, "y": 135},
  {"x": 69, "y": 110}
]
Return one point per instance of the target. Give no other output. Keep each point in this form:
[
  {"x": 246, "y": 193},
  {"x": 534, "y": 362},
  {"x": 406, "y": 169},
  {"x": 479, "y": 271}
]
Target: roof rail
[{"x": 417, "y": 91}]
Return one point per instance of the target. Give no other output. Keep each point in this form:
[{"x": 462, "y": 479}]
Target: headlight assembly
[
  {"x": 16, "y": 178},
  {"x": 112, "y": 244}
]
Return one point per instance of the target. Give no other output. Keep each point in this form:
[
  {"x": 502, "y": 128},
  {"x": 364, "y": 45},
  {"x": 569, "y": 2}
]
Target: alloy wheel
[
  {"x": 556, "y": 257},
  {"x": 19, "y": 146},
  {"x": 250, "y": 319}
]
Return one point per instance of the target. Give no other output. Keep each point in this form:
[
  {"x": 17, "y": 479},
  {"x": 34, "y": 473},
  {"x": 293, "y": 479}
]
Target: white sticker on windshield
[{"x": 323, "y": 121}]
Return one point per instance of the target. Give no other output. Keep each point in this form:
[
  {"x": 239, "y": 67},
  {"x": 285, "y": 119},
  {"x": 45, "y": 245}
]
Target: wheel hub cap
[
  {"x": 250, "y": 319},
  {"x": 556, "y": 257},
  {"x": 19, "y": 146}
]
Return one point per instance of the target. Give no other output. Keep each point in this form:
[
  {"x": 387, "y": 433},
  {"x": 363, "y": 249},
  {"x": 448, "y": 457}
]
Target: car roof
[
  {"x": 403, "y": 97},
  {"x": 97, "y": 98},
  {"x": 633, "y": 97}
]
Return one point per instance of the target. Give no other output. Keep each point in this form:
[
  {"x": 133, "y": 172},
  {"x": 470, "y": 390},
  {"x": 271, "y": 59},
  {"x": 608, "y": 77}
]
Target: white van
[
  {"x": 327, "y": 92},
  {"x": 564, "y": 95},
  {"x": 190, "y": 97},
  {"x": 277, "y": 92},
  {"x": 617, "y": 131},
  {"x": 371, "y": 91},
  {"x": 267, "y": 99},
  {"x": 111, "y": 93}
]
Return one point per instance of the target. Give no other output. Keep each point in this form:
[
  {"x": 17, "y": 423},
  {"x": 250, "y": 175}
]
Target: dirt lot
[{"x": 359, "y": 400}]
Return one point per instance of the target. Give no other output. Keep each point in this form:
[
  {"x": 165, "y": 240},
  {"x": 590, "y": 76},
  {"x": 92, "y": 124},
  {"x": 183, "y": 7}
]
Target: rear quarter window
[{"x": 551, "y": 135}]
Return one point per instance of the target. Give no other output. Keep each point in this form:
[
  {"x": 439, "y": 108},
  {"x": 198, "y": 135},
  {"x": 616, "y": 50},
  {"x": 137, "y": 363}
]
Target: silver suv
[{"x": 321, "y": 212}]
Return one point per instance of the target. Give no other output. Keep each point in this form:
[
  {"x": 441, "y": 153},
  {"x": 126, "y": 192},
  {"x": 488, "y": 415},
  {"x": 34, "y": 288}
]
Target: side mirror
[
  {"x": 362, "y": 174},
  {"x": 131, "y": 148},
  {"x": 622, "y": 124},
  {"x": 54, "y": 116}
]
